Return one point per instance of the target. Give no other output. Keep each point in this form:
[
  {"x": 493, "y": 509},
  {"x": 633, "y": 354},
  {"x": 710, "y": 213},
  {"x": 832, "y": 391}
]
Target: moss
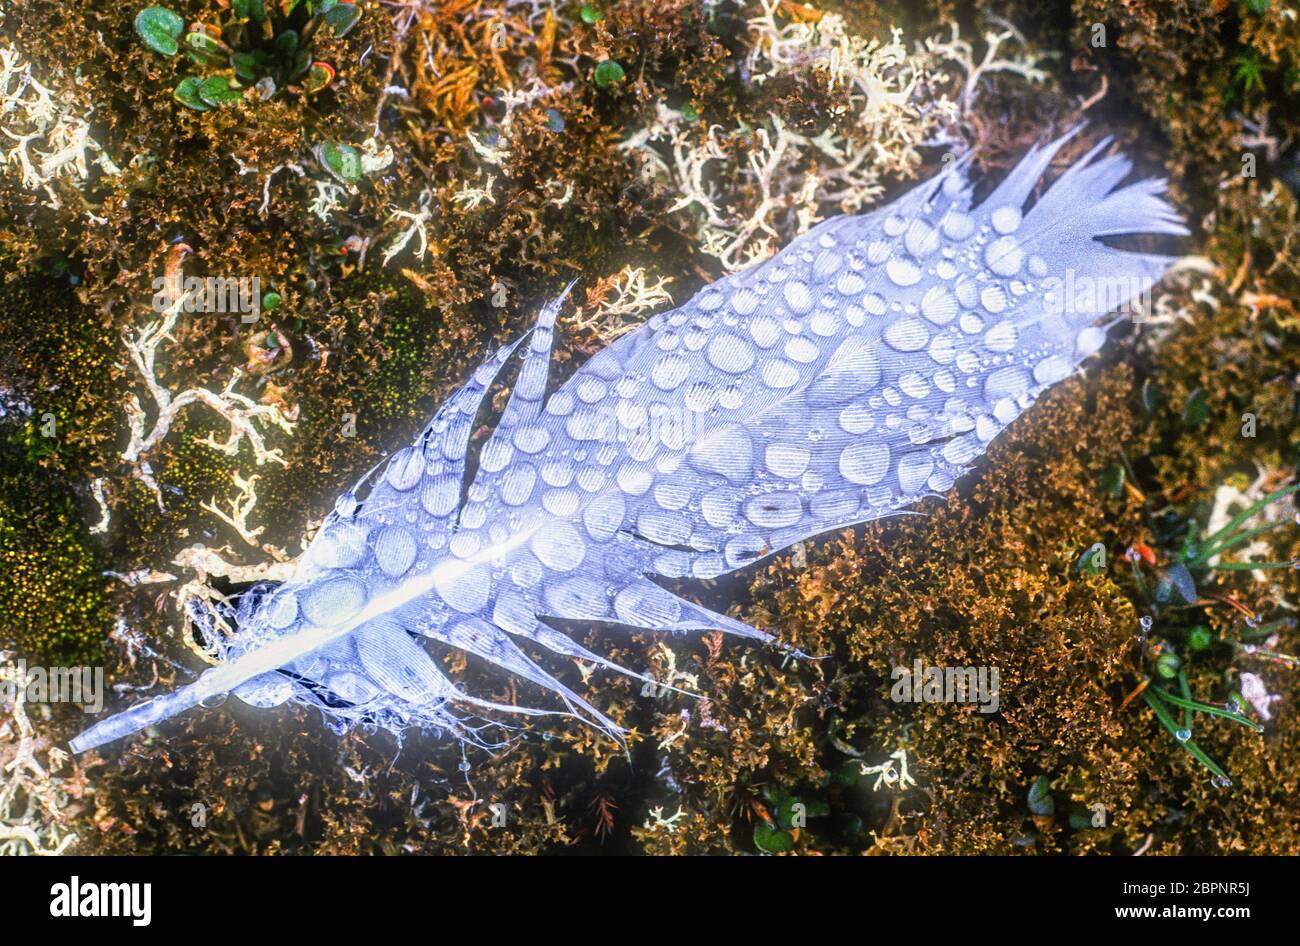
[{"x": 54, "y": 602}]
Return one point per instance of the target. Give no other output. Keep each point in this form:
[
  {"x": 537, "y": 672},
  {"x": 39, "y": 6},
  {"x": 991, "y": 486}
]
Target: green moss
[{"x": 55, "y": 605}]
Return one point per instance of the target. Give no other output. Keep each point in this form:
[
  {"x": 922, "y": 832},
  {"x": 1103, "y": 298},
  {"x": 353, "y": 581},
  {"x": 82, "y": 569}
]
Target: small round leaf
[
  {"x": 607, "y": 73},
  {"x": 160, "y": 29},
  {"x": 217, "y": 90},
  {"x": 342, "y": 18},
  {"x": 187, "y": 93}
]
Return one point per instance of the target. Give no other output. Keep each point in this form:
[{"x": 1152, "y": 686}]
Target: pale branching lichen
[
  {"x": 51, "y": 140},
  {"x": 619, "y": 303},
  {"x": 245, "y": 416},
  {"x": 34, "y": 801}
]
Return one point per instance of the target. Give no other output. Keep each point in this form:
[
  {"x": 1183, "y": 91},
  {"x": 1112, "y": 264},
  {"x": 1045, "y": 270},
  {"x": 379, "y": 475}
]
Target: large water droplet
[
  {"x": 440, "y": 495},
  {"x": 913, "y": 470},
  {"x": 1001, "y": 337},
  {"x": 780, "y": 374},
  {"x": 517, "y": 484},
  {"x": 864, "y": 462},
  {"x": 961, "y": 450},
  {"x": 731, "y": 353},
  {"x": 405, "y": 468},
  {"x": 1052, "y": 369},
  {"x": 1006, "y": 382},
  {"x": 921, "y": 239},
  {"x": 495, "y": 455},
  {"x": 560, "y": 502},
  {"x": 786, "y": 460},
  {"x": 850, "y": 284},
  {"x": 993, "y": 298},
  {"x": 938, "y": 305},
  {"x": 1089, "y": 341},
  {"x": 669, "y": 372},
  {"x": 603, "y": 515},
  {"x": 394, "y": 550},
  {"x": 797, "y": 296},
  {"x": 333, "y": 601},
  {"x": 903, "y": 272},
  {"x": 1006, "y": 219},
  {"x": 907, "y": 334},
  {"x": 958, "y": 226},
  {"x": 662, "y": 527},
  {"x": 774, "y": 510},
  {"x": 913, "y": 384},
  {"x": 645, "y": 604},
  {"x": 558, "y": 546},
  {"x": 1004, "y": 256}
]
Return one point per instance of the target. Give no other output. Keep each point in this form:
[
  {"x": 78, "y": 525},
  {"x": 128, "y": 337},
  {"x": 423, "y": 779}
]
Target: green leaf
[
  {"x": 342, "y": 18},
  {"x": 286, "y": 44},
  {"x": 160, "y": 29},
  {"x": 1196, "y": 409},
  {"x": 217, "y": 90},
  {"x": 204, "y": 43},
  {"x": 771, "y": 839},
  {"x": 1167, "y": 665},
  {"x": 787, "y": 810},
  {"x": 245, "y": 65},
  {"x": 1090, "y": 561},
  {"x": 1112, "y": 481},
  {"x": 607, "y": 73},
  {"x": 319, "y": 75},
  {"x": 1150, "y": 396},
  {"x": 343, "y": 161},
  {"x": 249, "y": 9},
  {"x": 1080, "y": 818},
  {"x": 187, "y": 93},
  {"x": 1040, "y": 797}
]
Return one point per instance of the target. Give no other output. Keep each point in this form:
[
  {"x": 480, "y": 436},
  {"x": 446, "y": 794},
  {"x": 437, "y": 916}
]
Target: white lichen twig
[
  {"x": 616, "y": 304},
  {"x": 240, "y": 509},
  {"x": 105, "y": 514},
  {"x": 51, "y": 139},
  {"x": 960, "y": 52},
  {"x": 33, "y": 801},
  {"x": 744, "y": 190},
  {"x": 242, "y": 413},
  {"x": 207, "y": 564},
  {"x": 892, "y": 773},
  {"x": 657, "y": 821},
  {"x": 418, "y": 226}
]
